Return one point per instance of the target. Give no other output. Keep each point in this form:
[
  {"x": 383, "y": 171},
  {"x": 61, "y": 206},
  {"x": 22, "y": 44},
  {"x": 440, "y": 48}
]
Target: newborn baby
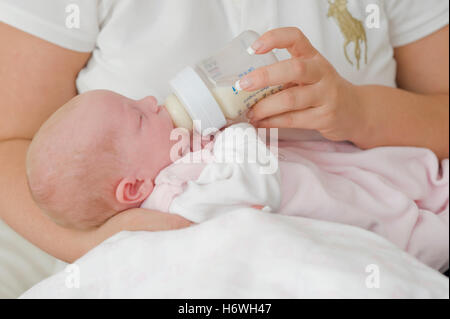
[
  {"x": 98, "y": 155},
  {"x": 102, "y": 153}
]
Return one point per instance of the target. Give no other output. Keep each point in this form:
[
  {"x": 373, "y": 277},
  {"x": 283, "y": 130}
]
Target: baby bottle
[{"x": 206, "y": 92}]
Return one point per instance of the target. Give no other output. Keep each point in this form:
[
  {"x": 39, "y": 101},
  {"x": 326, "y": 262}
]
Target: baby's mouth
[{"x": 162, "y": 111}]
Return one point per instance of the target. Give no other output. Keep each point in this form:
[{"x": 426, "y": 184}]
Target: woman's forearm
[
  {"x": 18, "y": 210},
  {"x": 394, "y": 117}
]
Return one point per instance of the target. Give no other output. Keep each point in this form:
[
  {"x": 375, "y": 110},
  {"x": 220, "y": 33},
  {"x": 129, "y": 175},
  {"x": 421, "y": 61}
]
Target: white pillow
[{"x": 22, "y": 264}]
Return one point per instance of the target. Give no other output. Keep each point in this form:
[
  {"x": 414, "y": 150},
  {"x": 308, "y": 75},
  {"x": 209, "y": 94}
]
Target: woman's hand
[
  {"x": 137, "y": 219},
  {"x": 315, "y": 96}
]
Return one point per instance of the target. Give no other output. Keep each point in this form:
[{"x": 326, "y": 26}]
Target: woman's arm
[
  {"x": 36, "y": 78},
  {"x": 417, "y": 114},
  {"x": 318, "y": 98}
]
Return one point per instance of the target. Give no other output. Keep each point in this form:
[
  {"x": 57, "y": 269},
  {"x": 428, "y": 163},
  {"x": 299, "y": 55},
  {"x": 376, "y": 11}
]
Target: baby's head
[{"x": 96, "y": 156}]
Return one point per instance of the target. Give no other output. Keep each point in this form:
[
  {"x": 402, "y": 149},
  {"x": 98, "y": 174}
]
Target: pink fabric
[
  {"x": 171, "y": 183},
  {"x": 399, "y": 193}
]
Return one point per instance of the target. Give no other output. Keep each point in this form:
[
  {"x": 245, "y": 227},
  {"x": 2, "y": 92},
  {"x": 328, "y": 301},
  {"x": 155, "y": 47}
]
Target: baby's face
[{"x": 142, "y": 128}]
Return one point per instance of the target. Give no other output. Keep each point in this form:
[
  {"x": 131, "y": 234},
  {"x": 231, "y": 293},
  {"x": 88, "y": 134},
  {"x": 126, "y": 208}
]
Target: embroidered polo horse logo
[{"x": 352, "y": 29}]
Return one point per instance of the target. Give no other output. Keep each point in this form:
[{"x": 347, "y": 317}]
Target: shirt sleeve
[
  {"x": 412, "y": 20},
  {"x": 72, "y": 24}
]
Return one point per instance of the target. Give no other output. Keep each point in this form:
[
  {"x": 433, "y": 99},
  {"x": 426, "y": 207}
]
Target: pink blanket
[{"x": 399, "y": 193}]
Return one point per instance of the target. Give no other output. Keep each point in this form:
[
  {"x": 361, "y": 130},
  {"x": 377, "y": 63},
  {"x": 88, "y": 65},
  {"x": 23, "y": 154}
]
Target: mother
[{"x": 51, "y": 50}]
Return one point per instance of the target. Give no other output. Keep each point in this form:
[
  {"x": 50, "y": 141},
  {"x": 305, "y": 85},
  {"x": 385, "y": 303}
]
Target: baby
[
  {"x": 96, "y": 156},
  {"x": 101, "y": 154}
]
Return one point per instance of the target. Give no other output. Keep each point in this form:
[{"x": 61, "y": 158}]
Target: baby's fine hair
[{"x": 73, "y": 183}]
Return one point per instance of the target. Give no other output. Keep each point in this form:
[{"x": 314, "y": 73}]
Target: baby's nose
[{"x": 151, "y": 103}]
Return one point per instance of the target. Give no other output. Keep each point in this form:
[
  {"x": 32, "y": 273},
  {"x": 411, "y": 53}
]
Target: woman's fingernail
[
  {"x": 251, "y": 51},
  {"x": 237, "y": 86},
  {"x": 243, "y": 84},
  {"x": 256, "y": 46}
]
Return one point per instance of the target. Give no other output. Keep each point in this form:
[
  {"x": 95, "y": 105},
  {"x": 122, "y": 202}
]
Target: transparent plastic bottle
[{"x": 207, "y": 91}]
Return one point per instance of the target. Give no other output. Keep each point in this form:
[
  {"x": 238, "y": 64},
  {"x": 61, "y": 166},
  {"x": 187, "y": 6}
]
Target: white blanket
[{"x": 247, "y": 254}]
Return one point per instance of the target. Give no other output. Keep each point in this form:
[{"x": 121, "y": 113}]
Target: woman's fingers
[
  {"x": 165, "y": 221},
  {"x": 306, "y": 119},
  {"x": 297, "y": 70},
  {"x": 293, "y": 99},
  {"x": 291, "y": 39},
  {"x": 149, "y": 220}
]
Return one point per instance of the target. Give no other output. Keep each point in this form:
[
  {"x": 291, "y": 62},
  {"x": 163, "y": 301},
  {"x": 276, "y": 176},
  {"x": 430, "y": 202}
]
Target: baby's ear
[{"x": 133, "y": 191}]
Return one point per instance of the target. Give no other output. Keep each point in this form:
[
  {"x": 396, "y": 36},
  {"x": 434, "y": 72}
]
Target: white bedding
[
  {"x": 22, "y": 265},
  {"x": 247, "y": 254}
]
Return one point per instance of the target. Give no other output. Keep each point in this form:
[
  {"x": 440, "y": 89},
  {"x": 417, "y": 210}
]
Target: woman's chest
[{"x": 143, "y": 44}]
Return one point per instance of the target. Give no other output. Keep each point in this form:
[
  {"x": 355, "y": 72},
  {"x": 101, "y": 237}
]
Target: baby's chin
[{"x": 60, "y": 221}]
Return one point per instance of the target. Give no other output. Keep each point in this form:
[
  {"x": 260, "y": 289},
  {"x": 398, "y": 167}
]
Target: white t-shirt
[{"x": 139, "y": 45}]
